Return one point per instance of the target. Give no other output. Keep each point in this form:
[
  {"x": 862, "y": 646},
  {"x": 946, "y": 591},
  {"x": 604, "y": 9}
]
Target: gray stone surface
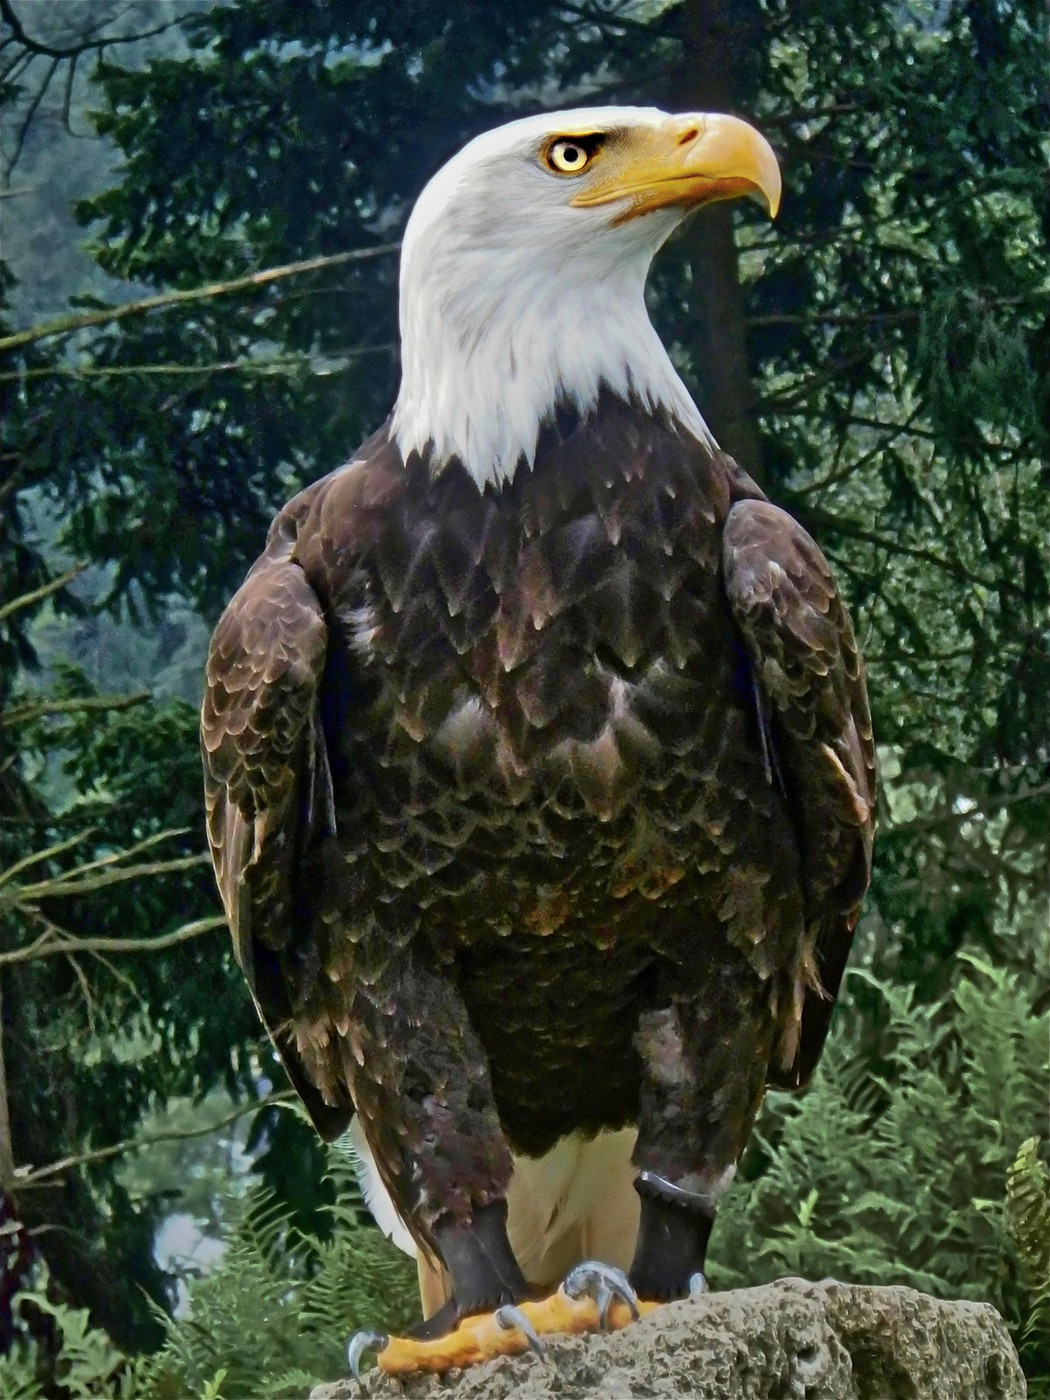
[{"x": 789, "y": 1340}]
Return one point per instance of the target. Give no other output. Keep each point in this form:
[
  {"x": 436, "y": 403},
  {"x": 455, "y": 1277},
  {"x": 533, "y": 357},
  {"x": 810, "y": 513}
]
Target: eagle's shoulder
[{"x": 335, "y": 517}]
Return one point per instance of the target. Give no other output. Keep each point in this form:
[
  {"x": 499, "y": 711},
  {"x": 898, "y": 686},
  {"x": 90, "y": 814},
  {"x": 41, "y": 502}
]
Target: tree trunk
[{"x": 720, "y": 39}]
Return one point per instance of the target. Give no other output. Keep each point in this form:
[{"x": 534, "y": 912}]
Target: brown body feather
[{"x": 541, "y": 810}]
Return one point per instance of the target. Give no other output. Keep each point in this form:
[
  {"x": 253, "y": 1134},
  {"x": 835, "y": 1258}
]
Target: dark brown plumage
[{"x": 540, "y": 810}]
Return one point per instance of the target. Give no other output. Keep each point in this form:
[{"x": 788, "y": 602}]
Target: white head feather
[{"x": 514, "y": 301}]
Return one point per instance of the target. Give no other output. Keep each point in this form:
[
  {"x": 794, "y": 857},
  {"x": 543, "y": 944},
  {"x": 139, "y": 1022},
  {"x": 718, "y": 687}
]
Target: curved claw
[
  {"x": 603, "y": 1283},
  {"x": 697, "y": 1286},
  {"x": 509, "y": 1316},
  {"x": 361, "y": 1342}
]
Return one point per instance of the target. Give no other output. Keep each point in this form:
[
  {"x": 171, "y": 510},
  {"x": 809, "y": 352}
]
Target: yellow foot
[{"x": 592, "y": 1297}]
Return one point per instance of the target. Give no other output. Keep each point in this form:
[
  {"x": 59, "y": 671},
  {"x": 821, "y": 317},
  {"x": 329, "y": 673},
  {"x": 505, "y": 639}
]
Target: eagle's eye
[{"x": 568, "y": 155}]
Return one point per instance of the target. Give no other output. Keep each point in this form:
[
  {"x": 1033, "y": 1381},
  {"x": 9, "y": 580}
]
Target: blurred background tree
[{"x": 877, "y": 358}]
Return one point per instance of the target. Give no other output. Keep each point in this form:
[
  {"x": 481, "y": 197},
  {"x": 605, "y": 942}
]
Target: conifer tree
[{"x": 878, "y": 357}]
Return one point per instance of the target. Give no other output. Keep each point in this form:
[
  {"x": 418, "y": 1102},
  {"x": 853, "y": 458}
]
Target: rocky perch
[{"x": 813, "y": 1341}]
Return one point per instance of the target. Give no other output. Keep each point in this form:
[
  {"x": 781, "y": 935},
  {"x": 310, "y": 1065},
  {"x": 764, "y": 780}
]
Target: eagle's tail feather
[{"x": 575, "y": 1202}]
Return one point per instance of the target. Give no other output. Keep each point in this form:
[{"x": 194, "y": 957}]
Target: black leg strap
[{"x": 672, "y": 1241}]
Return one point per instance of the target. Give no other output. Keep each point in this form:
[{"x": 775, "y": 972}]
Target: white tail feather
[{"x": 377, "y": 1198}]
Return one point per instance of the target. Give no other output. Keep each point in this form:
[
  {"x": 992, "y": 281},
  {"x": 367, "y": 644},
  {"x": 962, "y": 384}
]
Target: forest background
[{"x": 200, "y": 208}]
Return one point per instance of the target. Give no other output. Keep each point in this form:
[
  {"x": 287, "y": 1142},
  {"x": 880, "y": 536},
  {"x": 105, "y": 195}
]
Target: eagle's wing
[
  {"x": 810, "y": 680},
  {"x": 267, "y": 783}
]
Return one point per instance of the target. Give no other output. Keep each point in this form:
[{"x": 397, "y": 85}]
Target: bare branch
[
  {"x": 85, "y": 988},
  {"x": 27, "y": 49},
  {"x": 144, "y": 845},
  {"x": 67, "y": 885},
  {"x": 67, "y": 325},
  {"x": 31, "y": 111},
  {"x": 49, "y": 945},
  {"x": 11, "y": 73},
  {"x": 23, "y": 714},
  {"x": 7, "y": 1158},
  {"x": 43, "y": 1175},
  {"x": 15, "y": 477},
  {"x": 67, "y": 99},
  {"x": 37, "y": 46},
  {"x": 81, "y": 879},
  {"x": 44, "y": 591},
  {"x": 37, "y": 856}
]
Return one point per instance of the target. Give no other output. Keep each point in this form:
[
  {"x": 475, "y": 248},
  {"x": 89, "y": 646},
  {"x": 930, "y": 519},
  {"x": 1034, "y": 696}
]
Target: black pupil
[{"x": 571, "y": 155}]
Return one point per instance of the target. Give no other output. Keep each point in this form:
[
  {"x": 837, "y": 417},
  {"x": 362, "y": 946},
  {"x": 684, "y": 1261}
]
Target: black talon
[
  {"x": 361, "y": 1342},
  {"x": 603, "y": 1283},
  {"x": 509, "y": 1316}
]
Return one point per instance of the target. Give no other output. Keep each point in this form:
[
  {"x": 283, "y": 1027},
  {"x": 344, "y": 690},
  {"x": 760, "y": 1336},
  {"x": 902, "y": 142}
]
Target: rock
[{"x": 813, "y": 1341}]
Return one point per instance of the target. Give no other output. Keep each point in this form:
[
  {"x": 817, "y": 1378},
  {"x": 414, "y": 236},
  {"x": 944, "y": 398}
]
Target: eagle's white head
[{"x": 523, "y": 274}]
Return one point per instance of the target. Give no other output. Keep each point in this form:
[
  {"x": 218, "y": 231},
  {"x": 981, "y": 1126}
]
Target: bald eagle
[{"x": 539, "y": 767}]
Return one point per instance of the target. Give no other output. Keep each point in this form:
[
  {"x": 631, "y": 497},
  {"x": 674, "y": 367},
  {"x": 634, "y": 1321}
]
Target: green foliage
[
  {"x": 270, "y": 1322},
  {"x": 904, "y": 1162},
  {"x": 1028, "y": 1223},
  {"x": 277, "y": 1311},
  {"x": 894, "y": 327},
  {"x": 86, "y": 1059},
  {"x": 87, "y": 1363}
]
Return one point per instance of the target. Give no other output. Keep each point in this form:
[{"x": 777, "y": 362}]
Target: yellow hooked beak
[{"x": 688, "y": 160}]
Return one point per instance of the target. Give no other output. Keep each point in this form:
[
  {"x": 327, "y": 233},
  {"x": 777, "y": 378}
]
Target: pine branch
[
  {"x": 283, "y": 364},
  {"x": 68, "y": 324},
  {"x": 833, "y": 318},
  {"x": 799, "y": 115},
  {"x": 893, "y": 431},
  {"x": 867, "y": 318},
  {"x": 606, "y": 20},
  {"x": 981, "y": 808},
  {"x": 927, "y": 556},
  {"x": 777, "y": 405}
]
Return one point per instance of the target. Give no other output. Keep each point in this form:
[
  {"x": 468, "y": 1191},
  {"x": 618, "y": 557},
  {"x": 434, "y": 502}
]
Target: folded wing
[
  {"x": 811, "y": 688},
  {"x": 268, "y": 787}
]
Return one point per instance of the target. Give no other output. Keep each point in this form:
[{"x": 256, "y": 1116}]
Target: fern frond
[{"x": 1028, "y": 1223}]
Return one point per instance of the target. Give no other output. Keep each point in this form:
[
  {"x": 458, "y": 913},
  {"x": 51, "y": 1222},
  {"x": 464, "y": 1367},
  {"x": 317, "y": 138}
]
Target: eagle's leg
[
  {"x": 420, "y": 1081},
  {"x": 482, "y": 1270},
  {"x": 704, "y": 1070}
]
